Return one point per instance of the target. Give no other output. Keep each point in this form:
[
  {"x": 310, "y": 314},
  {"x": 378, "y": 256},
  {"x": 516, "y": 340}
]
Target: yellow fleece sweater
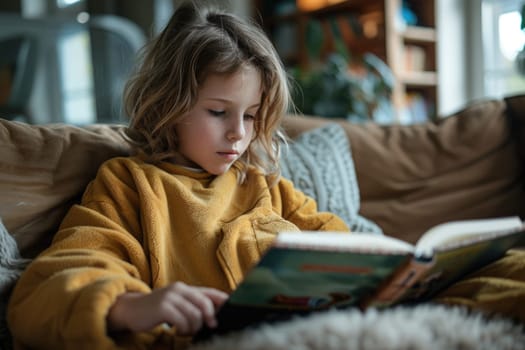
[{"x": 140, "y": 227}]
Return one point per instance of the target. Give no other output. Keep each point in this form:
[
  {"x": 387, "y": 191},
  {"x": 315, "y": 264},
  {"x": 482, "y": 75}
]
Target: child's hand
[{"x": 185, "y": 307}]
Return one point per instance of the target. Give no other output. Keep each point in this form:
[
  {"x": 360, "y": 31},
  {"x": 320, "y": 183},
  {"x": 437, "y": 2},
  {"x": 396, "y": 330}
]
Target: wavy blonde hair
[{"x": 199, "y": 41}]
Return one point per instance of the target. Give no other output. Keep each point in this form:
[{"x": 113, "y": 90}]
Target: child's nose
[{"x": 237, "y": 129}]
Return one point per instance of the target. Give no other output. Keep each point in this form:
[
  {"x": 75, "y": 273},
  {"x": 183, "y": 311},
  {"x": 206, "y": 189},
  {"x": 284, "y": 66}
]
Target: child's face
[{"x": 220, "y": 127}]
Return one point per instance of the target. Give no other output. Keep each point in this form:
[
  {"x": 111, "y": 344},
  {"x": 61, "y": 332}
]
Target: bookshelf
[{"x": 408, "y": 45}]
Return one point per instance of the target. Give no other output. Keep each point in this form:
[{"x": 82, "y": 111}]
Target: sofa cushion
[
  {"x": 463, "y": 167},
  {"x": 44, "y": 169},
  {"x": 319, "y": 163},
  {"x": 413, "y": 177}
]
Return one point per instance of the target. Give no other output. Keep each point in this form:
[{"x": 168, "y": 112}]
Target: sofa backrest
[{"x": 412, "y": 177}]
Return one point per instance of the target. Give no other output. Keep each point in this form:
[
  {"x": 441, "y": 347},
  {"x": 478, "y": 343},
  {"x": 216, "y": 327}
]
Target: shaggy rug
[{"x": 421, "y": 327}]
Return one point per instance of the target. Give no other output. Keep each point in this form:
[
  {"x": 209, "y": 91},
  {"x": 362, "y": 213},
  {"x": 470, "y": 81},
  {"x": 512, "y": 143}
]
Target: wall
[
  {"x": 241, "y": 7},
  {"x": 453, "y": 55}
]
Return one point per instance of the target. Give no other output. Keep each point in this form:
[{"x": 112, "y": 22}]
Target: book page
[
  {"x": 455, "y": 232},
  {"x": 340, "y": 241}
]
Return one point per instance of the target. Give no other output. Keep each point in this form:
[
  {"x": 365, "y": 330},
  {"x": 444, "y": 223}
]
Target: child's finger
[
  {"x": 205, "y": 299},
  {"x": 185, "y": 315},
  {"x": 217, "y": 297}
]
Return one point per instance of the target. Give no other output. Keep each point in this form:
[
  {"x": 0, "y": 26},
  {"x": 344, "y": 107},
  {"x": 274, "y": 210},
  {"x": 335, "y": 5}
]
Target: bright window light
[
  {"x": 77, "y": 78},
  {"x": 66, "y": 3},
  {"x": 502, "y": 40},
  {"x": 511, "y": 38}
]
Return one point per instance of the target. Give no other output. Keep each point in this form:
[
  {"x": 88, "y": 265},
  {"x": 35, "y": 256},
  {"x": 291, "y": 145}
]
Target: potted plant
[{"x": 357, "y": 88}]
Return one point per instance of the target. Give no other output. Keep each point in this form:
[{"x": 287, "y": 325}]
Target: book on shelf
[
  {"x": 415, "y": 58},
  {"x": 415, "y": 109},
  {"x": 305, "y": 272}
]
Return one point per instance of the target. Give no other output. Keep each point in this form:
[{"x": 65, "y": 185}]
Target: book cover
[
  {"x": 314, "y": 271},
  {"x": 290, "y": 282}
]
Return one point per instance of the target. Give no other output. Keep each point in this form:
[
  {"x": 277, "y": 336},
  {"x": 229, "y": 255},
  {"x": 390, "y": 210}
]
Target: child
[{"x": 160, "y": 238}]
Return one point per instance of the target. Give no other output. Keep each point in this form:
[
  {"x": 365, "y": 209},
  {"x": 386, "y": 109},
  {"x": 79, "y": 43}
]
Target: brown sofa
[
  {"x": 411, "y": 177},
  {"x": 469, "y": 165}
]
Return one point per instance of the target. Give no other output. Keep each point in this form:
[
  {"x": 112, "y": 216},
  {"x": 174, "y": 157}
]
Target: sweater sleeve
[
  {"x": 95, "y": 256},
  {"x": 498, "y": 288},
  {"x": 300, "y": 209}
]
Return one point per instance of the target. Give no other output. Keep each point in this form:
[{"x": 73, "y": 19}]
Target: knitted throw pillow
[
  {"x": 319, "y": 163},
  {"x": 11, "y": 266}
]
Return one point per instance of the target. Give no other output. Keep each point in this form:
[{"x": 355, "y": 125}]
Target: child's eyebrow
[{"x": 225, "y": 100}]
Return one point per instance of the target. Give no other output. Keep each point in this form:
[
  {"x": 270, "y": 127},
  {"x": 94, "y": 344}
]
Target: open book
[{"x": 312, "y": 271}]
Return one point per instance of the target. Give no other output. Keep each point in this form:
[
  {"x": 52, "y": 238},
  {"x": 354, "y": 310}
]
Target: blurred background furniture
[
  {"x": 66, "y": 70},
  {"x": 114, "y": 44},
  {"x": 17, "y": 75}
]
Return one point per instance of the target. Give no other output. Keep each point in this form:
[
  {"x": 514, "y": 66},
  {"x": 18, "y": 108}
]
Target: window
[
  {"x": 502, "y": 40},
  {"x": 76, "y": 78},
  {"x": 66, "y": 3}
]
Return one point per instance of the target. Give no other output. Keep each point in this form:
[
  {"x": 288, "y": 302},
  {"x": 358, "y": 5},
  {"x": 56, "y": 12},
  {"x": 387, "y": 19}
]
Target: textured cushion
[
  {"x": 320, "y": 164},
  {"x": 43, "y": 170},
  {"x": 11, "y": 266}
]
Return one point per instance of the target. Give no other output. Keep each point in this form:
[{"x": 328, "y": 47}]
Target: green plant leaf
[
  {"x": 522, "y": 17},
  {"x": 377, "y": 65},
  {"x": 332, "y": 90},
  {"x": 314, "y": 39},
  {"x": 340, "y": 45}
]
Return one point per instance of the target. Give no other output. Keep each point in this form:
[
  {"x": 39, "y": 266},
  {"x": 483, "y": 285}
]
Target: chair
[
  {"x": 17, "y": 74},
  {"x": 115, "y": 42}
]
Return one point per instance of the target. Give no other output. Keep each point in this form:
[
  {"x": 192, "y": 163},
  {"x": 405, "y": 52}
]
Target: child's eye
[
  {"x": 249, "y": 116},
  {"x": 216, "y": 113}
]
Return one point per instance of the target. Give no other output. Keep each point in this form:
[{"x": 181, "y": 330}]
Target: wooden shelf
[
  {"x": 353, "y": 6},
  {"x": 411, "y": 54},
  {"x": 423, "y": 79},
  {"x": 402, "y": 47},
  {"x": 419, "y": 34}
]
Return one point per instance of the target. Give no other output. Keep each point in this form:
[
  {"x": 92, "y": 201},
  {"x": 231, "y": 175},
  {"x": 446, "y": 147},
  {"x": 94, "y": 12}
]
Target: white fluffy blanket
[{"x": 421, "y": 327}]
